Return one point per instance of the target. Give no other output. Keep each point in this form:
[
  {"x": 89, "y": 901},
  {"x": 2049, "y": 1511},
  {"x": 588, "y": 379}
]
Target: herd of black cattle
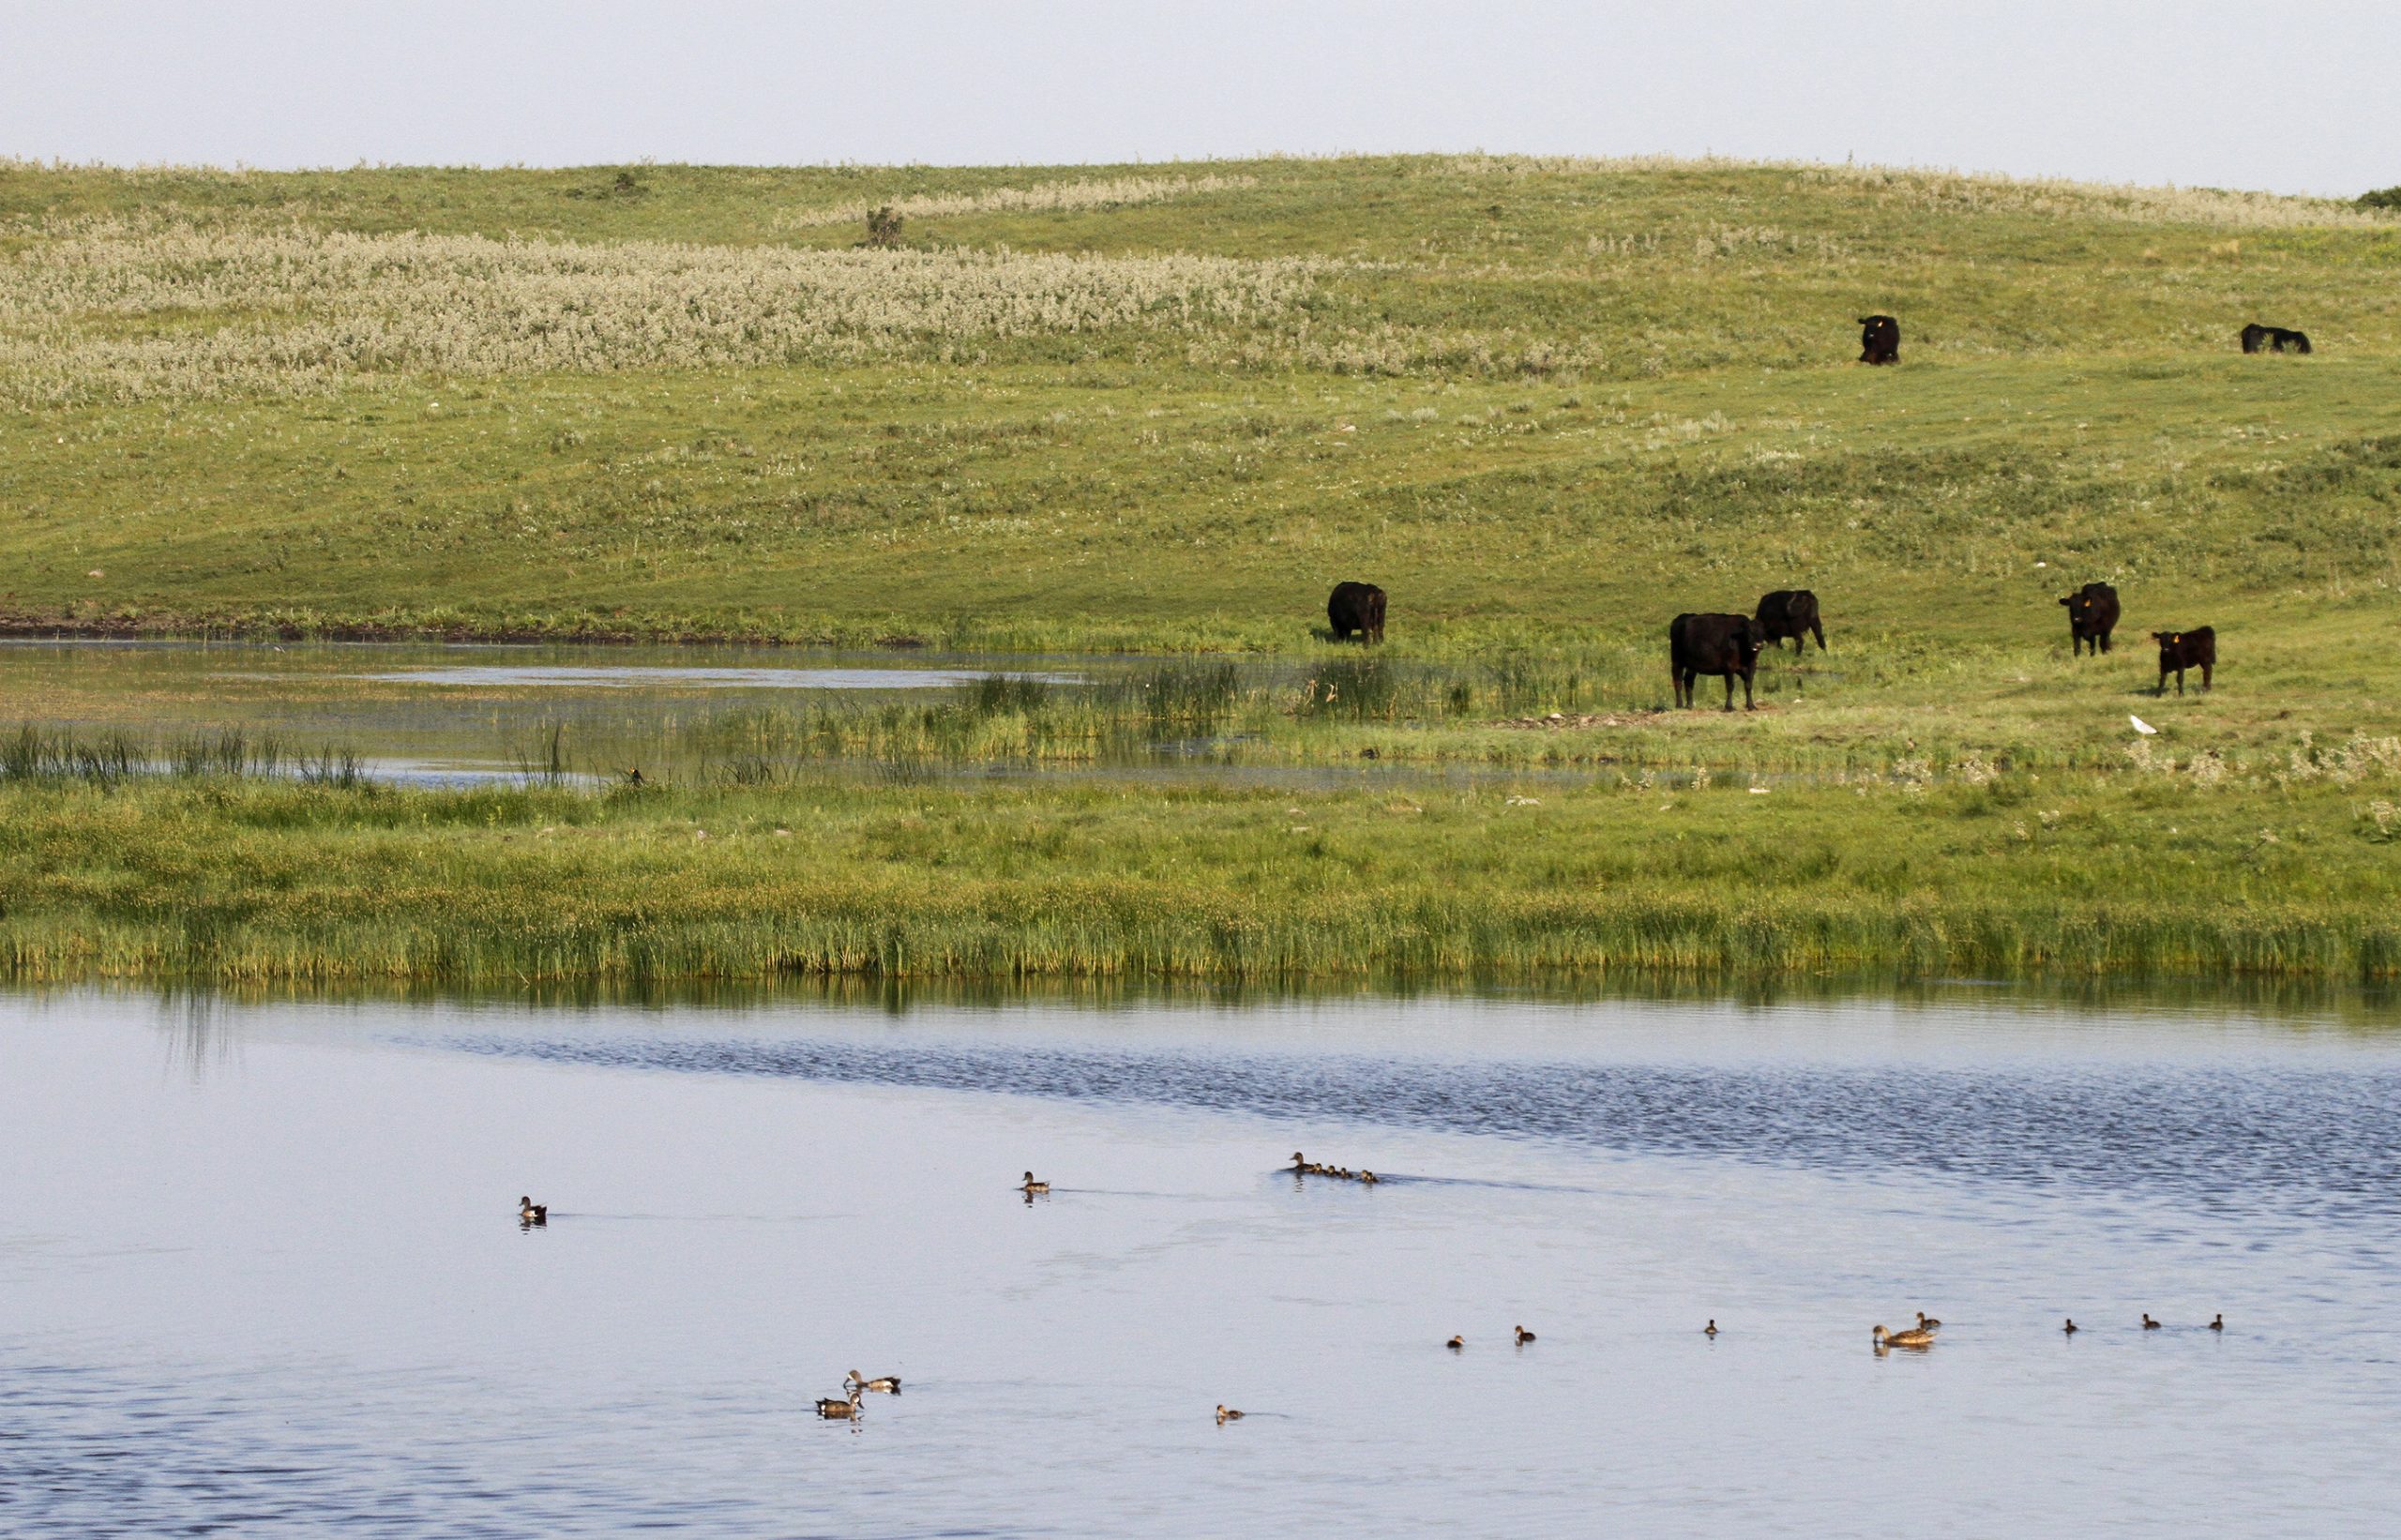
[{"x": 1729, "y": 645}]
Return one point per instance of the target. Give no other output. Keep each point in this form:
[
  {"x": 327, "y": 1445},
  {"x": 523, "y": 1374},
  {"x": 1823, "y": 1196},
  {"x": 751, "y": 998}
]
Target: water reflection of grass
[{"x": 2147, "y": 874}]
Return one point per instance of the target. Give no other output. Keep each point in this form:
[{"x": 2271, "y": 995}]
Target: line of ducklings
[
  {"x": 1921, "y": 1336},
  {"x": 1303, "y": 1166}
]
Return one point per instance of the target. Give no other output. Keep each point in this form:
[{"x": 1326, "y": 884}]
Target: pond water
[
  {"x": 260, "y": 1268},
  {"x": 437, "y": 712}
]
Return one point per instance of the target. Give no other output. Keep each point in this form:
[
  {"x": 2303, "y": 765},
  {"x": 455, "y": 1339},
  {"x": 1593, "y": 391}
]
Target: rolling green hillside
[{"x": 1166, "y": 406}]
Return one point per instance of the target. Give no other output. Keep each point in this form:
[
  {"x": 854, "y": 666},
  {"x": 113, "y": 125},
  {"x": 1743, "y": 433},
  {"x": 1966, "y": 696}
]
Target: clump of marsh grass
[{"x": 33, "y": 754}]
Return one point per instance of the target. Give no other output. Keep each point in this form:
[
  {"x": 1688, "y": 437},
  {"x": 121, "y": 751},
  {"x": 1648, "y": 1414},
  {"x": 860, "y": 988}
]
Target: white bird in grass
[{"x": 2142, "y": 727}]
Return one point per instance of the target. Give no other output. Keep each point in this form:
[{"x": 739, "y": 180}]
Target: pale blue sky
[{"x": 2294, "y": 97}]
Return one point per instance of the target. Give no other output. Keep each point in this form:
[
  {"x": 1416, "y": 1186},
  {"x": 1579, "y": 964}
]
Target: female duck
[
  {"x": 1916, "y": 1337},
  {"x": 886, "y": 1385},
  {"x": 1032, "y": 1186}
]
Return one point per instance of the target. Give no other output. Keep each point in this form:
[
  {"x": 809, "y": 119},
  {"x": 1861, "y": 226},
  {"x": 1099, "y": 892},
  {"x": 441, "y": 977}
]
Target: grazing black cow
[
  {"x": 2259, "y": 339},
  {"x": 2181, "y": 650},
  {"x": 1790, "y": 613},
  {"x": 2091, "y": 615},
  {"x": 1356, "y": 607},
  {"x": 1724, "y": 645},
  {"x": 1879, "y": 340}
]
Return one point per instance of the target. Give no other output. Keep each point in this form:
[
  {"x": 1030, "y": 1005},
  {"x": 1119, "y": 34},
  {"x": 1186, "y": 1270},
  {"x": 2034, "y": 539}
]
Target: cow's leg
[
  {"x": 1747, "y": 703},
  {"x": 1728, "y": 677},
  {"x": 2207, "y": 669}
]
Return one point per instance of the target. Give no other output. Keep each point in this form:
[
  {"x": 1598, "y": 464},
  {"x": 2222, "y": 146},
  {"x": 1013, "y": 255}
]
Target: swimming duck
[
  {"x": 1032, "y": 1186},
  {"x": 1370, "y": 1178},
  {"x": 887, "y": 1385},
  {"x": 532, "y": 1213},
  {"x": 2149, "y": 1324},
  {"x": 2071, "y": 1328},
  {"x": 1524, "y": 1336},
  {"x": 838, "y": 1411},
  {"x": 2218, "y": 1322},
  {"x": 1710, "y": 1330},
  {"x": 1456, "y": 1343},
  {"x": 1300, "y": 1166},
  {"x": 1926, "y": 1323},
  {"x": 1916, "y": 1337},
  {"x": 1227, "y": 1414}
]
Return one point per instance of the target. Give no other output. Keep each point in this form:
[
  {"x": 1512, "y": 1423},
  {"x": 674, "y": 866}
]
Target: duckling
[
  {"x": 1524, "y": 1336},
  {"x": 1710, "y": 1330},
  {"x": 1227, "y": 1414},
  {"x": 1916, "y": 1337},
  {"x": 2218, "y": 1322},
  {"x": 1456, "y": 1343},
  {"x": 529, "y": 1212},
  {"x": 1927, "y": 1323},
  {"x": 2149, "y": 1324},
  {"x": 887, "y": 1385},
  {"x": 1032, "y": 1186},
  {"x": 2071, "y": 1328},
  {"x": 833, "y": 1411},
  {"x": 1370, "y": 1178}
]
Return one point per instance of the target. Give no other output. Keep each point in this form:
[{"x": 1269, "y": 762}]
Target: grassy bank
[
  {"x": 1546, "y": 404},
  {"x": 2154, "y": 872}
]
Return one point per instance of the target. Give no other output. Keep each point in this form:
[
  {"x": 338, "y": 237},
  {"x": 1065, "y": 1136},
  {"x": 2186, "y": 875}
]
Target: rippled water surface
[{"x": 260, "y": 1271}]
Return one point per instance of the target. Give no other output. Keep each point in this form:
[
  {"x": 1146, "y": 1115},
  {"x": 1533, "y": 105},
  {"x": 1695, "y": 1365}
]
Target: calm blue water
[{"x": 260, "y": 1272}]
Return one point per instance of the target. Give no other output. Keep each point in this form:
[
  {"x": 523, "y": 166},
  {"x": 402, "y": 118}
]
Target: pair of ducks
[
  {"x": 1303, "y": 1166},
  {"x": 1519, "y": 1334},
  {"x": 855, "y": 1382},
  {"x": 1920, "y": 1336}
]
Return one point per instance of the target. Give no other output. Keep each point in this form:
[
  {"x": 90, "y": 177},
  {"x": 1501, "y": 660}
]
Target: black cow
[
  {"x": 1724, "y": 645},
  {"x": 2259, "y": 339},
  {"x": 2181, "y": 650},
  {"x": 1356, "y": 607},
  {"x": 1879, "y": 340},
  {"x": 1790, "y": 613},
  {"x": 2091, "y": 615}
]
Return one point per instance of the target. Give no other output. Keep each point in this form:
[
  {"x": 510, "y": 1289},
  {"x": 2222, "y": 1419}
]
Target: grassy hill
[
  {"x": 1147, "y": 406},
  {"x": 1545, "y": 403}
]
